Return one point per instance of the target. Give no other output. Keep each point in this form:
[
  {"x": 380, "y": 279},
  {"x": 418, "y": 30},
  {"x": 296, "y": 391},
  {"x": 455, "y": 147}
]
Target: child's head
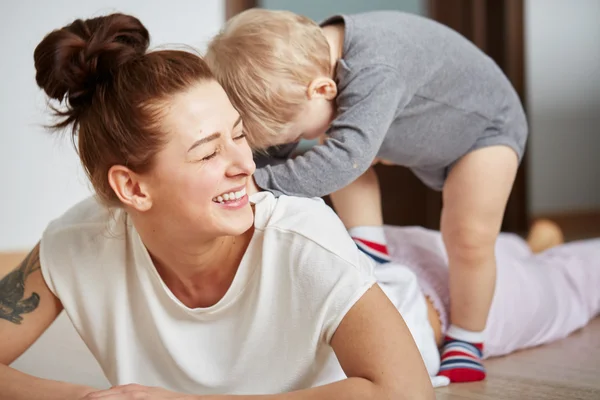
[{"x": 276, "y": 68}]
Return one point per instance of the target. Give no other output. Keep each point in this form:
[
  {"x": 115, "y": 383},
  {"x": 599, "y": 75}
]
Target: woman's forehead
[{"x": 203, "y": 107}]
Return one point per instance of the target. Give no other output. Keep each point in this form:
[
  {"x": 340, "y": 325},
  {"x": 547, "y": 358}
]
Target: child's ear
[{"x": 322, "y": 87}]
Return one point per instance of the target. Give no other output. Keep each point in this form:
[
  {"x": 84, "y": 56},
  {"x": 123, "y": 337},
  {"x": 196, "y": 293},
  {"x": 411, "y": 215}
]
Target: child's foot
[
  {"x": 371, "y": 241},
  {"x": 462, "y": 352},
  {"x": 543, "y": 235}
]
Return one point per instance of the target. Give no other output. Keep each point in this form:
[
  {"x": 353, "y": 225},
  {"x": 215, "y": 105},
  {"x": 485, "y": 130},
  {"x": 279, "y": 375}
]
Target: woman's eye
[
  {"x": 213, "y": 155},
  {"x": 209, "y": 157},
  {"x": 243, "y": 135}
]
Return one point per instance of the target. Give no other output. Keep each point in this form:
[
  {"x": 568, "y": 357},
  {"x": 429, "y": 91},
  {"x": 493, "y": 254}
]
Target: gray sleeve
[
  {"x": 274, "y": 155},
  {"x": 367, "y": 106}
]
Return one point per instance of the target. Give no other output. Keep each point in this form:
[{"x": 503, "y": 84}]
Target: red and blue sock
[
  {"x": 371, "y": 241},
  {"x": 462, "y": 353}
]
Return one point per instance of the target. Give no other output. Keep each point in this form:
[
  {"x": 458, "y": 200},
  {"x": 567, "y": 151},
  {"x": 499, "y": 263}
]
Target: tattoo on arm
[{"x": 12, "y": 289}]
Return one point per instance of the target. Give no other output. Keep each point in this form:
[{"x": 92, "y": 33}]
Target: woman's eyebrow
[{"x": 214, "y": 136}]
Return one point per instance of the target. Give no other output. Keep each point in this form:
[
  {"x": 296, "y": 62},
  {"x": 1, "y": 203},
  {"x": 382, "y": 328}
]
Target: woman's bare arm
[{"x": 27, "y": 308}]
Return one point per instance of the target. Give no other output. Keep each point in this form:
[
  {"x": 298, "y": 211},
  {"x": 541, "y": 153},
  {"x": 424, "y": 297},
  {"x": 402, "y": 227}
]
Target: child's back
[{"x": 447, "y": 95}]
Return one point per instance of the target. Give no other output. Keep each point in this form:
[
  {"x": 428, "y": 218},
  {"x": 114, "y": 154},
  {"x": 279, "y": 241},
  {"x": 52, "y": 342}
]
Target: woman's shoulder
[
  {"x": 86, "y": 225},
  {"x": 87, "y": 213},
  {"x": 75, "y": 244},
  {"x": 307, "y": 228}
]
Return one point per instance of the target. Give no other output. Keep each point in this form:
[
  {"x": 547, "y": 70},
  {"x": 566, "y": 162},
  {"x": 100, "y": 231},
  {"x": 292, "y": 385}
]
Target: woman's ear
[
  {"x": 322, "y": 87},
  {"x": 129, "y": 188}
]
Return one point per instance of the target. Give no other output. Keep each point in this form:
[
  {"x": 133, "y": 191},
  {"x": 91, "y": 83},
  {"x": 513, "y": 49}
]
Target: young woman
[{"x": 178, "y": 284}]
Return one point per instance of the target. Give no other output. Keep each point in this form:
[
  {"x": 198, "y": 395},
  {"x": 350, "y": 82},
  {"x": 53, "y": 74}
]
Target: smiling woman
[{"x": 180, "y": 284}]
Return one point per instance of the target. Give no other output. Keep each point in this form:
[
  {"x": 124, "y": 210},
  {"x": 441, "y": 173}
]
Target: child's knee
[{"x": 471, "y": 241}]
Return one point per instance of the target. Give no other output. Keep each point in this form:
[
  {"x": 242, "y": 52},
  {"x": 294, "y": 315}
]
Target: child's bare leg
[
  {"x": 359, "y": 207},
  {"x": 359, "y": 203},
  {"x": 543, "y": 235},
  {"x": 475, "y": 196}
]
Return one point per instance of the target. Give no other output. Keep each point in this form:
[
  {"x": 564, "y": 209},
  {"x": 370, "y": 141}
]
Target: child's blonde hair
[{"x": 265, "y": 60}]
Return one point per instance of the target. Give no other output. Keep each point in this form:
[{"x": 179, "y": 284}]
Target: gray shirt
[{"x": 410, "y": 91}]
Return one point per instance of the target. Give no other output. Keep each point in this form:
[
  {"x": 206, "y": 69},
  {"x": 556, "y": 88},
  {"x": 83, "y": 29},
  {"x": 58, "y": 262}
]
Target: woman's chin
[{"x": 241, "y": 222}]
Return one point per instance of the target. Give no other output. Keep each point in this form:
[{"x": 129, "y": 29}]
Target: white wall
[
  {"x": 40, "y": 176},
  {"x": 563, "y": 75},
  {"x": 321, "y": 9}
]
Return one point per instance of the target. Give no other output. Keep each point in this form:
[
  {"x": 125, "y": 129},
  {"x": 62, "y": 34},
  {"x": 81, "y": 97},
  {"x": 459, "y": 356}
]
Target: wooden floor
[{"x": 568, "y": 369}]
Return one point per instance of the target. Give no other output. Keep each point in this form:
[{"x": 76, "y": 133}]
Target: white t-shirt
[{"x": 271, "y": 331}]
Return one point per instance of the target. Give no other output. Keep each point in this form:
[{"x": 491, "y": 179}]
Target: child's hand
[{"x": 251, "y": 187}]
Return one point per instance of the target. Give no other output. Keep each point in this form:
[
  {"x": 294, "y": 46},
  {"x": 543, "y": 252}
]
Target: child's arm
[
  {"x": 274, "y": 155},
  {"x": 367, "y": 106}
]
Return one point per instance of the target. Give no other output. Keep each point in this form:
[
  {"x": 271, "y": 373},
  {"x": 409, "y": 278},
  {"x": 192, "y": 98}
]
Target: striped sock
[
  {"x": 461, "y": 356},
  {"x": 371, "y": 241}
]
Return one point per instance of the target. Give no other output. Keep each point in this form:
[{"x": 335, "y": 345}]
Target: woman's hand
[{"x": 137, "y": 392}]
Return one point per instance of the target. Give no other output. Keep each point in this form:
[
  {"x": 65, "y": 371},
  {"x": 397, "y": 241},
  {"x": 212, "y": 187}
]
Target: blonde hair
[{"x": 265, "y": 60}]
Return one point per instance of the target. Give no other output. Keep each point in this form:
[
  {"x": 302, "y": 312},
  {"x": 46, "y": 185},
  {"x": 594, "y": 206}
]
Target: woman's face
[{"x": 199, "y": 178}]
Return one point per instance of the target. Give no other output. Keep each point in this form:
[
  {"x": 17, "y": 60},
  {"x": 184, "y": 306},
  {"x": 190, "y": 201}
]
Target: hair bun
[{"x": 71, "y": 62}]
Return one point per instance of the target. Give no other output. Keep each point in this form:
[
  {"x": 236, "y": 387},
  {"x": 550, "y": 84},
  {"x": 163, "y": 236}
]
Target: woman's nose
[{"x": 242, "y": 162}]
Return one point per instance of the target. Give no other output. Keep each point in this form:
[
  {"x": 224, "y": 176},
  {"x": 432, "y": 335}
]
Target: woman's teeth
[{"x": 230, "y": 196}]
